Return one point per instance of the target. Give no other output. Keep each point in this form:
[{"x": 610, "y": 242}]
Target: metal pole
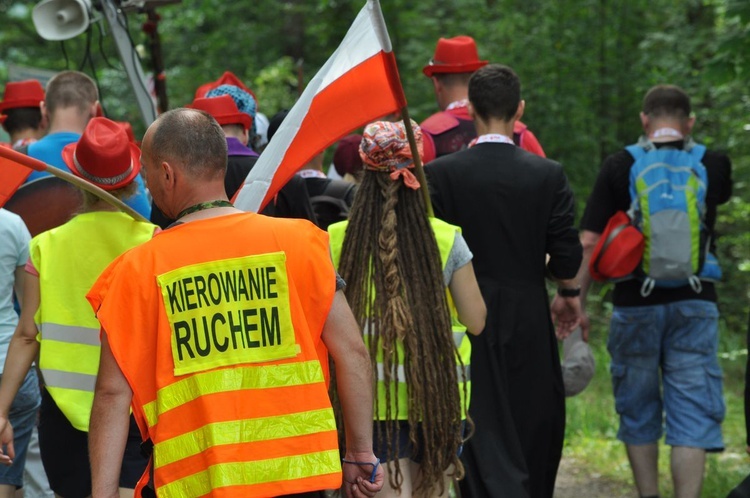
[
  {"x": 130, "y": 61},
  {"x": 418, "y": 169},
  {"x": 160, "y": 81},
  {"x": 38, "y": 165}
]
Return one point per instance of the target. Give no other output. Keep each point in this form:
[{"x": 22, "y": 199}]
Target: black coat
[{"x": 514, "y": 208}]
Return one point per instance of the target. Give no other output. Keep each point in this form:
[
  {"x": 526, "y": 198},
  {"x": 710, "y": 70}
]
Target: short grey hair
[{"x": 193, "y": 139}]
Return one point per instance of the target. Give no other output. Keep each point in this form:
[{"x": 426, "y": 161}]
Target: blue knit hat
[{"x": 245, "y": 102}]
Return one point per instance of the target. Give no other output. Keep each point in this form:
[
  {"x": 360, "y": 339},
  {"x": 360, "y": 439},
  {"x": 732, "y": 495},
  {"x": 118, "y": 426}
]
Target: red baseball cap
[
  {"x": 103, "y": 155},
  {"x": 454, "y": 55},
  {"x": 224, "y": 110}
]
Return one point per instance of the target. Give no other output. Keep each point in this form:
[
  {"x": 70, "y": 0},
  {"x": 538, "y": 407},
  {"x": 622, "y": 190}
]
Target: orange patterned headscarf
[{"x": 385, "y": 148}]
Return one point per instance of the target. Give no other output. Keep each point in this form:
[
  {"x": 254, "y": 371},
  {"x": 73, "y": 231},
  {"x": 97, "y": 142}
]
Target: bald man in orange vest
[{"x": 218, "y": 332}]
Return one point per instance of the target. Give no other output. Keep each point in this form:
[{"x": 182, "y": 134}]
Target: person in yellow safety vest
[
  {"x": 218, "y": 332},
  {"x": 56, "y": 321},
  {"x": 398, "y": 264}
]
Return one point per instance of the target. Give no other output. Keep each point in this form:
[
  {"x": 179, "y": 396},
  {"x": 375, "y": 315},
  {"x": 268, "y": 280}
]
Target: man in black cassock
[{"x": 514, "y": 208}]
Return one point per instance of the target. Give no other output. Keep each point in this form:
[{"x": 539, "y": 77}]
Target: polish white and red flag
[
  {"x": 357, "y": 85},
  {"x": 14, "y": 169}
]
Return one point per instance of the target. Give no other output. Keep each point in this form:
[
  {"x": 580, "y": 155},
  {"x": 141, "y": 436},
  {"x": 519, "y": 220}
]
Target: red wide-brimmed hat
[
  {"x": 103, "y": 155},
  {"x": 228, "y": 78},
  {"x": 224, "y": 110},
  {"x": 27, "y": 93},
  {"x": 454, "y": 55}
]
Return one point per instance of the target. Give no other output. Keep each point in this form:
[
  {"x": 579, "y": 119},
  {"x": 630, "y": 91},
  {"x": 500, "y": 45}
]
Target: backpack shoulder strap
[
  {"x": 439, "y": 123},
  {"x": 698, "y": 151},
  {"x": 636, "y": 151},
  {"x": 640, "y": 148}
]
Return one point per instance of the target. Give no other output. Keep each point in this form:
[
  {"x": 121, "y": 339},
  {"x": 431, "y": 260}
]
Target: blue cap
[{"x": 245, "y": 102}]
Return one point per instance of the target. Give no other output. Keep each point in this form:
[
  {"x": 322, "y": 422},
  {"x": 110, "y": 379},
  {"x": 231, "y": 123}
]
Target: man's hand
[
  {"x": 566, "y": 315},
  {"x": 359, "y": 469},
  {"x": 6, "y": 441},
  {"x": 585, "y": 326}
]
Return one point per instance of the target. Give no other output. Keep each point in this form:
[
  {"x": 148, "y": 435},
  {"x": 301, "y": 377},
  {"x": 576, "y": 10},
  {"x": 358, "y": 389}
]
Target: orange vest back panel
[{"x": 217, "y": 326}]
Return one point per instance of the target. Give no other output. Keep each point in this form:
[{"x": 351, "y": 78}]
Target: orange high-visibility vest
[{"x": 217, "y": 326}]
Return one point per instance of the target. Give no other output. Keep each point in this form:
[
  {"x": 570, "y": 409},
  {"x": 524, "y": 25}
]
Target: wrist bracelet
[
  {"x": 375, "y": 466},
  {"x": 569, "y": 292}
]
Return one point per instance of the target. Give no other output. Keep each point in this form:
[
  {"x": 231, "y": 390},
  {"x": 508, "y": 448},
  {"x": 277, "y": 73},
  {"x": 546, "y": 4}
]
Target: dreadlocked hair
[{"x": 391, "y": 263}]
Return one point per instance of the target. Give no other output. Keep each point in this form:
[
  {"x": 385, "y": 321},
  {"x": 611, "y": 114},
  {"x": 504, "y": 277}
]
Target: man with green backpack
[{"x": 664, "y": 330}]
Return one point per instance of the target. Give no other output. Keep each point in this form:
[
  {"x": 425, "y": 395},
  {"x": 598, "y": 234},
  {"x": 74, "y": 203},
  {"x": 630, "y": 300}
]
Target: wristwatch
[{"x": 569, "y": 292}]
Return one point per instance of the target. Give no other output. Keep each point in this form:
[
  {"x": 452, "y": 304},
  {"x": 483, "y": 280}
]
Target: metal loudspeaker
[{"x": 61, "y": 19}]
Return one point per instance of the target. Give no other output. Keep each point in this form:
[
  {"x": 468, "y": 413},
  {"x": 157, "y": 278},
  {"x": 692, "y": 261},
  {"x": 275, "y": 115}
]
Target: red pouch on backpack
[{"x": 619, "y": 250}]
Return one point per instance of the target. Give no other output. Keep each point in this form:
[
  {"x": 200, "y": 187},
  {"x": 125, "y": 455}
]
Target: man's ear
[
  {"x": 471, "y": 111},
  {"x": 43, "y": 123},
  {"x": 644, "y": 121},
  {"x": 689, "y": 123},
  {"x": 45, "y": 113},
  {"x": 436, "y": 85},
  {"x": 95, "y": 110},
  {"x": 519, "y": 110},
  {"x": 168, "y": 175}
]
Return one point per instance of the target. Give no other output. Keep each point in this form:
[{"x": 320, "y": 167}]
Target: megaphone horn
[{"x": 61, "y": 19}]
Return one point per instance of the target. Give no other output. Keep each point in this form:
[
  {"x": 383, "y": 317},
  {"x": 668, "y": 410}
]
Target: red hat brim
[
  {"x": 235, "y": 119},
  {"x": 430, "y": 69},
  {"x": 238, "y": 118},
  {"x": 228, "y": 78},
  {"x": 15, "y": 104},
  {"x": 68, "y": 154}
]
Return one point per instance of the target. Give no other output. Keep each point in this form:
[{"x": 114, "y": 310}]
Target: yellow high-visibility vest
[
  {"x": 445, "y": 235},
  {"x": 69, "y": 259}
]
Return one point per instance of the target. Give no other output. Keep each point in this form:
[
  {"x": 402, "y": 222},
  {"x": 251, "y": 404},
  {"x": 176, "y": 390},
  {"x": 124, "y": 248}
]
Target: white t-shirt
[{"x": 14, "y": 252}]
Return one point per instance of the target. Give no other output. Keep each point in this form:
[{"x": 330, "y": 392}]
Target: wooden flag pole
[
  {"x": 38, "y": 165},
  {"x": 418, "y": 168}
]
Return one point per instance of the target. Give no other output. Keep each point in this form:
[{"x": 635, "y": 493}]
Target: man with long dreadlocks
[{"x": 398, "y": 263}]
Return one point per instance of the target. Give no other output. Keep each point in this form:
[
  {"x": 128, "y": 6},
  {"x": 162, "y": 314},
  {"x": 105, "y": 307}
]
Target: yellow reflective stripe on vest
[
  {"x": 68, "y": 380},
  {"x": 243, "y": 431},
  {"x": 231, "y": 379},
  {"x": 70, "y": 333},
  {"x": 249, "y": 473},
  {"x": 458, "y": 338}
]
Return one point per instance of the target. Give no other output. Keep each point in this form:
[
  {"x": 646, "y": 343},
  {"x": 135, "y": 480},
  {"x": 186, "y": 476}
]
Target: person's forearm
[
  {"x": 354, "y": 384},
  {"x": 109, "y": 425},
  {"x": 353, "y": 374},
  {"x": 584, "y": 280},
  {"x": 108, "y": 432},
  {"x": 21, "y": 354},
  {"x": 588, "y": 241}
]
